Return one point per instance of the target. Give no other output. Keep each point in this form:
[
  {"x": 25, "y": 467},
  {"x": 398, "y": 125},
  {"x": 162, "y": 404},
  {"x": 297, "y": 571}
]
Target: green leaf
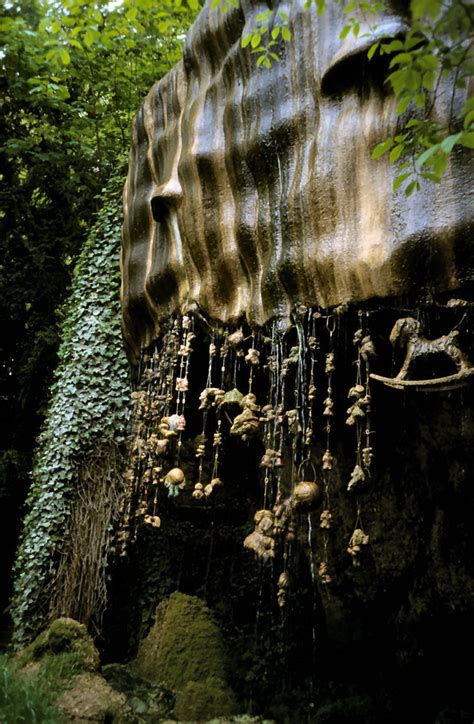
[
  {"x": 382, "y": 148},
  {"x": 372, "y": 50},
  {"x": 413, "y": 122},
  {"x": 428, "y": 62},
  {"x": 88, "y": 38},
  {"x": 420, "y": 100},
  {"x": 426, "y": 155},
  {"x": 440, "y": 164},
  {"x": 448, "y": 143},
  {"x": 393, "y": 46},
  {"x": 275, "y": 33},
  {"x": 467, "y": 139},
  {"x": 468, "y": 119},
  {"x": 403, "y": 105},
  {"x": 429, "y": 79},
  {"x": 350, "y": 6},
  {"x": 431, "y": 177},
  {"x": 396, "y": 152},
  {"x": 400, "y": 179},
  {"x": 412, "y": 186},
  {"x": 256, "y": 38},
  {"x": 413, "y": 79},
  {"x": 65, "y": 57},
  {"x": 286, "y": 33},
  {"x": 344, "y": 32},
  {"x": 401, "y": 59},
  {"x": 246, "y": 40}
]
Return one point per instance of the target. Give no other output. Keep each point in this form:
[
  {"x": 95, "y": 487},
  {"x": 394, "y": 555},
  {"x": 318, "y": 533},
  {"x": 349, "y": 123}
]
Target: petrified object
[
  {"x": 176, "y": 423},
  {"x": 235, "y": 338},
  {"x": 325, "y": 520},
  {"x": 251, "y": 189},
  {"x": 323, "y": 573},
  {"x": 357, "y": 478},
  {"x": 153, "y": 520},
  {"x": 209, "y": 488},
  {"x": 211, "y": 397},
  {"x": 250, "y": 401},
  {"x": 271, "y": 459},
  {"x": 358, "y": 540},
  {"x": 174, "y": 481},
  {"x": 246, "y": 425},
  {"x": 261, "y": 541},
  {"x": 232, "y": 397},
  {"x": 306, "y": 496},
  {"x": 282, "y": 588},
  {"x": 253, "y": 357},
  {"x": 328, "y": 460},
  {"x": 407, "y": 333},
  {"x": 198, "y": 491}
]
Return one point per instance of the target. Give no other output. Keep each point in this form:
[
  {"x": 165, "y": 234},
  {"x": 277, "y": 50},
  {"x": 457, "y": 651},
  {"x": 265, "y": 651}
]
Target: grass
[{"x": 29, "y": 697}]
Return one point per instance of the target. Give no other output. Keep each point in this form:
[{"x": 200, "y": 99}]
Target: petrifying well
[{"x": 253, "y": 189}]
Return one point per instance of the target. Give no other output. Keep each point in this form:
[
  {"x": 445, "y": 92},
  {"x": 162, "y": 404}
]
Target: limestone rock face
[{"x": 251, "y": 189}]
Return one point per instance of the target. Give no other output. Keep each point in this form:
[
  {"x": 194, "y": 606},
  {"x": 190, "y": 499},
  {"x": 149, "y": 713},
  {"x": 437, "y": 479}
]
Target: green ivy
[{"x": 89, "y": 404}]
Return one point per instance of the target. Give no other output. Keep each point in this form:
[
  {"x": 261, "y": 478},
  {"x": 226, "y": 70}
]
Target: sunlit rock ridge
[{"x": 252, "y": 189}]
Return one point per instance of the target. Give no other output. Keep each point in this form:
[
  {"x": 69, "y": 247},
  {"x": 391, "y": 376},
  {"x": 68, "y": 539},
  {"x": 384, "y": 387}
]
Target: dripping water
[{"x": 313, "y": 597}]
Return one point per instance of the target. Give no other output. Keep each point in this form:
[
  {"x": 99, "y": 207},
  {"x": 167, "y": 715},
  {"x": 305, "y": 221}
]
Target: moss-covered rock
[
  {"x": 63, "y": 636},
  {"x": 185, "y": 644},
  {"x": 185, "y": 651},
  {"x": 200, "y": 700}
]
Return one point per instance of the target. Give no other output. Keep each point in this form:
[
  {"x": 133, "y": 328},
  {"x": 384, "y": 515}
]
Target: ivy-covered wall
[{"x": 84, "y": 430}]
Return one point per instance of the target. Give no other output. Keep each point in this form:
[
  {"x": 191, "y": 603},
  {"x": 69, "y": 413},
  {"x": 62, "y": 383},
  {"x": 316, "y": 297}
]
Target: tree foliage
[
  {"x": 72, "y": 75},
  {"x": 437, "y": 47}
]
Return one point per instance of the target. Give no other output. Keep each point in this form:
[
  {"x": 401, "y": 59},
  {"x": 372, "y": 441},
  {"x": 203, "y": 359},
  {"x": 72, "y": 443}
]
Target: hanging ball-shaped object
[
  {"x": 306, "y": 496},
  {"x": 175, "y": 477}
]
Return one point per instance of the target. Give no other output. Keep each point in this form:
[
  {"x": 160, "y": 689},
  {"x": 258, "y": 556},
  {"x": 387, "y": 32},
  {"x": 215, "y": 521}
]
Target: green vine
[{"x": 88, "y": 406}]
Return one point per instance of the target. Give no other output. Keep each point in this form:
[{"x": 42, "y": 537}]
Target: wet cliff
[
  {"x": 251, "y": 190},
  {"x": 345, "y": 607},
  {"x": 301, "y": 336}
]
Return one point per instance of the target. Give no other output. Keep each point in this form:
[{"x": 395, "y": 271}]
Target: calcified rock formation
[{"x": 250, "y": 190}]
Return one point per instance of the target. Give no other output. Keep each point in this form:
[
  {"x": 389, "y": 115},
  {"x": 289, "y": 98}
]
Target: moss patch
[
  {"x": 185, "y": 644},
  {"x": 185, "y": 651},
  {"x": 200, "y": 700},
  {"x": 64, "y": 636}
]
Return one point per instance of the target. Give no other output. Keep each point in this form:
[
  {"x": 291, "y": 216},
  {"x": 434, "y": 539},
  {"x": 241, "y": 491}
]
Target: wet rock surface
[{"x": 379, "y": 586}]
